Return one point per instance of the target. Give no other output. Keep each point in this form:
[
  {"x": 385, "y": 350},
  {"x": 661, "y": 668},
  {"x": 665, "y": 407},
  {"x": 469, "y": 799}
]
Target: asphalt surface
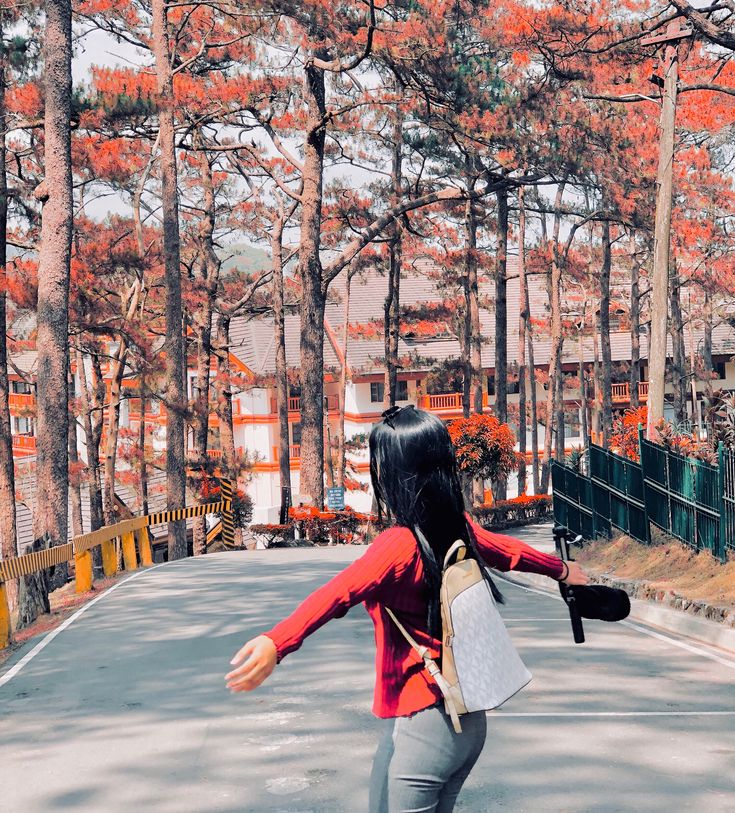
[{"x": 125, "y": 709}]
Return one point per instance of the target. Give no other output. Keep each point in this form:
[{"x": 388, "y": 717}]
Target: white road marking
[
  {"x": 496, "y": 714},
  {"x": 41, "y": 645},
  {"x": 695, "y": 650}
]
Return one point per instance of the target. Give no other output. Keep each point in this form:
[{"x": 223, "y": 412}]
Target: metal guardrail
[
  {"x": 128, "y": 531},
  {"x": 686, "y": 498}
]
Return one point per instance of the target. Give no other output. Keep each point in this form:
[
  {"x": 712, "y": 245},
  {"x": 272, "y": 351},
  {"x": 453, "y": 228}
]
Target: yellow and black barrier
[{"x": 129, "y": 531}]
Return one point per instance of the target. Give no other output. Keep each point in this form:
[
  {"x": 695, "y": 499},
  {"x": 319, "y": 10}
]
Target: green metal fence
[{"x": 686, "y": 498}]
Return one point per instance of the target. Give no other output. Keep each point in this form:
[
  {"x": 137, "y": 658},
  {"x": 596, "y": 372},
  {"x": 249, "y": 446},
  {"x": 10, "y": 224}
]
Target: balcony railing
[
  {"x": 331, "y": 404},
  {"x": 294, "y": 452},
  {"x": 18, "y": 401},
  {"x": 445, "y": 401},
  {"x": 24, "y": 443},
  {"x": 621, "y": 392}
]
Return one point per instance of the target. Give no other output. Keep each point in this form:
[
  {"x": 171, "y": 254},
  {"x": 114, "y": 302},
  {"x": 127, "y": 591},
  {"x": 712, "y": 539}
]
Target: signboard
[
  {"x": 285, "y": 504},
  {"x": 336, "y": 498}
]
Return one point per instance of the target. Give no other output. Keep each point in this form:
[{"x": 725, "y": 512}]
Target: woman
[{"x": 421, "y": 763}]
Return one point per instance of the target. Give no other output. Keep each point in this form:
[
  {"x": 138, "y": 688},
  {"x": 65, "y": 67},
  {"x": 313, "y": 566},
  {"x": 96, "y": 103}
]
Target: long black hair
[{"x": 415, "y": 480}]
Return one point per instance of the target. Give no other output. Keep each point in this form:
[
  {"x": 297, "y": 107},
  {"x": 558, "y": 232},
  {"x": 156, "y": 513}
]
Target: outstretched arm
[
  {"x": 508, "y": 553},
  {"x": 380, "y": 567}
]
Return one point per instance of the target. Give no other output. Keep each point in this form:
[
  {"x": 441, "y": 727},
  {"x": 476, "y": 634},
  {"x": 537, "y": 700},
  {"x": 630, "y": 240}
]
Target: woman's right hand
[
  {"x": 575, "y": 575},
  {"x": 260, "y": 657}
]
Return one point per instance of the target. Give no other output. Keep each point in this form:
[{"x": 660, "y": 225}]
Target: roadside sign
[{"x": 336, "y": 498}]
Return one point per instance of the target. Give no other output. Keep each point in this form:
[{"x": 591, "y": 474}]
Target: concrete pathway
[{"x": 126, "y": 709}]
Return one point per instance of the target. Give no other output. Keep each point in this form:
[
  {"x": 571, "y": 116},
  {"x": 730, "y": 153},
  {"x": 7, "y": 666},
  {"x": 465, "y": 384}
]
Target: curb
[{"x": 671, "y": 620}]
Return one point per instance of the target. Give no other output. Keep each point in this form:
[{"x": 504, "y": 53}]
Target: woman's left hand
[{"x": 260, "y": 658}]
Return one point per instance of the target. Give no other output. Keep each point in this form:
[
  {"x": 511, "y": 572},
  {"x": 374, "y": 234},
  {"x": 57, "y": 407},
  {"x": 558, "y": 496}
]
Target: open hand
[
  {"x": 258, "y": 658},
  {"x": 576, "y": 575}
]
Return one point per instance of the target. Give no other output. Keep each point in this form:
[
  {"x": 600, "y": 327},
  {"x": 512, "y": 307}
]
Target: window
[
  {"x": 21, "y": 388},
  {"x": 512, "y": 386},
  {"x": 294, "y": 391},
  {"x": 572, "y": 424},
  {"x": 296, "y": 434},
  {"x": 719, "y": 368},
  {"x": 377, "y": 391},
  {"x": 23, "y": 426}
]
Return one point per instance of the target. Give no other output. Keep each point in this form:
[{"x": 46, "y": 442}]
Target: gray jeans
[{"x": 421, "y": 764}]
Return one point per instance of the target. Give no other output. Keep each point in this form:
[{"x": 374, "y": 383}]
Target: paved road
[{"x": 125, "y": 709}]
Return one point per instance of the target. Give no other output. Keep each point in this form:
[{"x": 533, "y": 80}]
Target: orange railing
[
  {"x": 621, "y": 392},
  {"x": 25, "y": 442},
  {"x": 331, "y": 403},
  {"x": 445, "y": 401},
  {"x": 21, "y": 401}
]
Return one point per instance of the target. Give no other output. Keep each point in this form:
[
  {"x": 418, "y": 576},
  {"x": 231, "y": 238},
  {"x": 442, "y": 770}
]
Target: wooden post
[
  {"x": 144, "y": 546},
  {"x": 109, "y": 558},
  {"x": 4, "y": 617},
  {"x": 664, "y": 184},
  {"x": 128, "y": 550},
  {"x": 83, "y": 571}
]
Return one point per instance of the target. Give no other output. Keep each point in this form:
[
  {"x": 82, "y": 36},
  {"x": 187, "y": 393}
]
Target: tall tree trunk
[
  {"x": 113, "y": 408},
  {"x": 223, "y": 389},
  {"x": 341, "y": 455},
  {"x": 8, "y": 531},
  {"x": 678, "y": 368},
  {"x": 556, "y": 340},
  {"x": 75, "y": 474},
  {"x": 52, "y": 475},
  {"x": 635, "y": 326},
  {"x": 92, "y": 423},
  {"x": 279, "y": 320},
  {"x": 175, "y": 350},
  {"x": 313, "y": 293},
  {"x": 707, "y": 342},
  {"x": 207, "y": 282},
  {"x": 597, "y": 375},
  {"x": 605, "y": 335},
  {"x": 141, "y": 440},
  {"x": 395, "y": 251},
  {"x": 559, "y": 421},
  {"x": 534, "y": 410},
  {"x": 140, "y": 242},
  {"x": 470, "y": 297},
  {"x": 523, "y": 318},
  {"x": 501, "y": 311}
]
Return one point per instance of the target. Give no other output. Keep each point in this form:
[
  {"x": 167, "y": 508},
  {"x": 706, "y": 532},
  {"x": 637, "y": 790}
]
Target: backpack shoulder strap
[
  {"x": 433, "y": 669},
  {"x": 460, "y": 548}
]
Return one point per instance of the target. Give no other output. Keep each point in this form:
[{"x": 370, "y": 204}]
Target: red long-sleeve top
[{"x": 391, "y": 573}]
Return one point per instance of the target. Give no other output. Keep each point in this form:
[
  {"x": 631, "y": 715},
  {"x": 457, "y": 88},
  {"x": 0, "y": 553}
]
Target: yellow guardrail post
[
  {"x": 4, "y": 617},
  {"x": 144, "y": 546},
  {"x": 109, "y": 558},
  {"x": 228, "y": 523},
  {"x": 128, "y": 550},
  {"x": 83, "y": 571}
]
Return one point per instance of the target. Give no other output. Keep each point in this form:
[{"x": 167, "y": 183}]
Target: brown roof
[{"x": 253, "y": 341}]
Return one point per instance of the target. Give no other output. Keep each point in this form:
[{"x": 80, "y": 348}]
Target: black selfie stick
[{"x": 561, "y": 539}]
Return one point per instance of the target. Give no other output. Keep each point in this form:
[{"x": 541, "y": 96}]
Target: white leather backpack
[{"x": 481, "y": 668}]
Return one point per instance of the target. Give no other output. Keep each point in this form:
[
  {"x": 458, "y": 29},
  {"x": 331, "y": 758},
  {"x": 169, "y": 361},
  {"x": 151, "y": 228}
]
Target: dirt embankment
[{"x": 666, "y": 571}]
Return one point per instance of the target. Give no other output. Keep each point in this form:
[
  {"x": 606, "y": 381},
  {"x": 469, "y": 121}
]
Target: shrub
[
  {"x": 517, "y": 511},
  {"x": 484, "y": 447}
]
